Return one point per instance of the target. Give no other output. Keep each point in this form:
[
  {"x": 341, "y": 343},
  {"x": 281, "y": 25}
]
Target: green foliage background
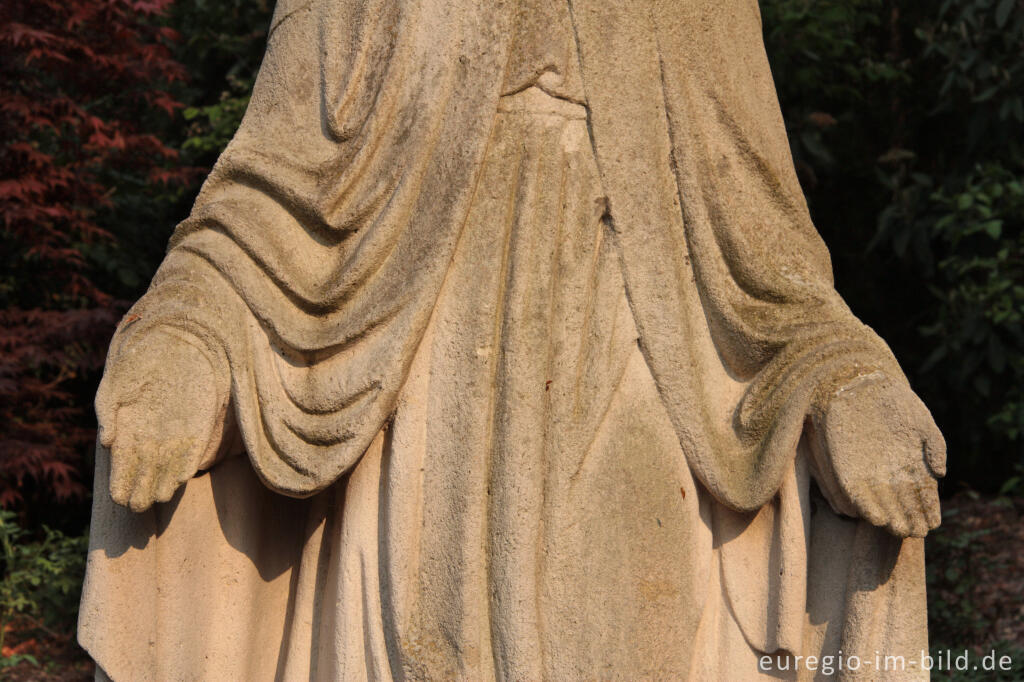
[
  {"x": 221, "y": 46},
  {"x": 41, "y": 581},
  {"x": 906, "y": 122}
]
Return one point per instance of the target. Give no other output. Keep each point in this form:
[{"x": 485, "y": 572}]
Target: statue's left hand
[
  {"x": 161, "y": 414},
  {"x": 878, "y": 455}
]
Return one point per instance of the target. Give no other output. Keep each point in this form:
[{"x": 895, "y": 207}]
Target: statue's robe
[{"x": 316, "y": 264}]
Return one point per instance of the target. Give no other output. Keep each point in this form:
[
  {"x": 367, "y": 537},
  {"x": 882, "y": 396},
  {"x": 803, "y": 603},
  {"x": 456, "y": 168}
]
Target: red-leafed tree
[{"x": 84, "y": 85}]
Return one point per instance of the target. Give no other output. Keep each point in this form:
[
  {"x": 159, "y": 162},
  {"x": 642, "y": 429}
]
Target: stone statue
[{"x": 500, "y": 345}]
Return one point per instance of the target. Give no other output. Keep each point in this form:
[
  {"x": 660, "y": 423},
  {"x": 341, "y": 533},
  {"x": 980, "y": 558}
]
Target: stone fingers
[
  {"x": 867, "y": 504},
  {"x": 827, "y": 478},
  {"x": 142, "y": 488},
  {"x": 929, "y": 498},
  {"x": 124, "y": 466},
  {"x": 145, "y": 472},
  {"x": 916, "y": 493},
  {"x": 913, "y": 511},
  {"x": 919, "y": 492},
  {"x": 180, "y": 462},
  {"x": 935, "y": 452},
  {"x": 881, "y": 504},
  {"x": 105, "y": 428},
  {"x": 890, "y": 500},
  {"x": 106, "y": 413}
]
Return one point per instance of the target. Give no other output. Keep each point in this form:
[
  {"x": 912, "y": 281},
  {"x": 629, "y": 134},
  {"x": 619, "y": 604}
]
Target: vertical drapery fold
[
  {"x": 730, "y": 283},
  {"x": 334, "y": 211}
]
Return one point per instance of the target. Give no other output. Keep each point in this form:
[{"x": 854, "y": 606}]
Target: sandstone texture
[{"x": 499, "y": 344}]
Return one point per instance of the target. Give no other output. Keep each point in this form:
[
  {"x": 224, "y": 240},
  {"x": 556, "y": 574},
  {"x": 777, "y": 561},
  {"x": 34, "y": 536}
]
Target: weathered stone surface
[{"x": 500, "y": 344}]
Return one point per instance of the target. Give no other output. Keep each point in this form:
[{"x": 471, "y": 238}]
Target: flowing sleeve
[
  {"x": 331, "y": 219},
  {"x": 730, "y": 284}
]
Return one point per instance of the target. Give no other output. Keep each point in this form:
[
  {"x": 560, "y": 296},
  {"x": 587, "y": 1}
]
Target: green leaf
[
  {"x": 1010, "y": 484},
  {"x": 987, "y": 94},
  {"x": 994, "y": 228}
]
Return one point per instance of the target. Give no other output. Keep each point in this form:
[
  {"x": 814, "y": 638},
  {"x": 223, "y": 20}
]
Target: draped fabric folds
[
  {"x": 730, "y": 283},
  {"x": 334, "y": 211},
  {"x": 318, "y": 251}
]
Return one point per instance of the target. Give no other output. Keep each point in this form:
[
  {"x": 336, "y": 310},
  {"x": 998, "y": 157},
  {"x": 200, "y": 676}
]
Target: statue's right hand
[{"x": 159, "y": 408}]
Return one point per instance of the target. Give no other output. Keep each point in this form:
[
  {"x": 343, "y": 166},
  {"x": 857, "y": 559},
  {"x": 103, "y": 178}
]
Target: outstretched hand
[
  {"x": 878, "y": 455},
  {"x": 161, "y": 415}
]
